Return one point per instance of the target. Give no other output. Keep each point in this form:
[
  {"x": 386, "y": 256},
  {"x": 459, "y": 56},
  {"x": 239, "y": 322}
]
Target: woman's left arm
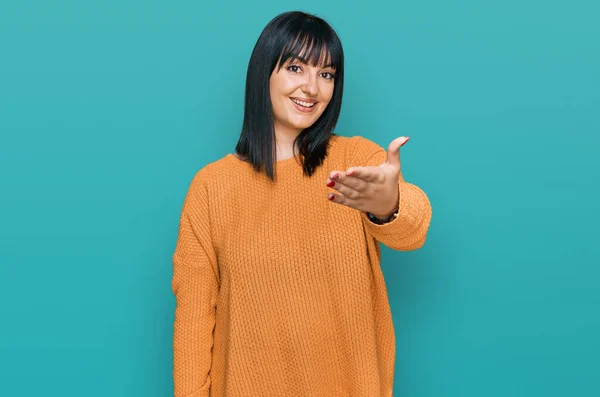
[{"x": 378, "y": 187}]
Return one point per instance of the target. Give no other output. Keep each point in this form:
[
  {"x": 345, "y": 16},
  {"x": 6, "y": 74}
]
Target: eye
[
  {"x": 294, "y": 68},
  {"x": 328, "y": 75}
]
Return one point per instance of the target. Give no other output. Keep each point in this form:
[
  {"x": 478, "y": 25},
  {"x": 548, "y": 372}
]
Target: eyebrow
[{"x": 301, "y": 59}]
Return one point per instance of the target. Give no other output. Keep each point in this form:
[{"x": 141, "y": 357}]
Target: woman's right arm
[{"x": 195, "y": 285}]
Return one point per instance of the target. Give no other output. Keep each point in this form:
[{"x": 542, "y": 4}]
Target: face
[{"x": 300, "y": 93}]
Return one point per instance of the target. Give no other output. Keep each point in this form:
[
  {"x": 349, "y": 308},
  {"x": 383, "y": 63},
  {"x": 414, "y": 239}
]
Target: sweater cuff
[{"x": 393, "y": 232}]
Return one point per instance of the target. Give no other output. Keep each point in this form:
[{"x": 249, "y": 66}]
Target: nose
[{"x": 310, "y": 87}]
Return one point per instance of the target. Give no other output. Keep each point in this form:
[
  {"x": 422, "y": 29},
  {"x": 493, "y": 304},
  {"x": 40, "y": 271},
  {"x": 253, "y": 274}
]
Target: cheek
[
  {"x": 280, "y": 85},
  {"x": 280, "y": 88},
  {"x": 326, "y": 94}
]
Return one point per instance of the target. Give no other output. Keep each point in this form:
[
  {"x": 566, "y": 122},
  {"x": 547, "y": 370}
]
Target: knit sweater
[{"x": 279, "y": 291}]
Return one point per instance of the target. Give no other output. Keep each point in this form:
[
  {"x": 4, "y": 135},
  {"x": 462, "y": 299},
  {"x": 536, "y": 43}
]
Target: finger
[
  {"x": 348, "y": 181},
  {"x": 346, "y": 190},
  {"x": 393, "y": 154},
  {"x": 336, "y": 175},
  {"x": 341, "y": 199},
  {"x": 368, "y": 174}
]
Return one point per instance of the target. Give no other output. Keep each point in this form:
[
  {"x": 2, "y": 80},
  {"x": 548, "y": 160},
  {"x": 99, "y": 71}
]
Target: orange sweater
[{"x": 279, "y": 292}]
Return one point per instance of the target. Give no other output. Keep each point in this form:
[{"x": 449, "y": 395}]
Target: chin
[{"x": 303, "y": 124}]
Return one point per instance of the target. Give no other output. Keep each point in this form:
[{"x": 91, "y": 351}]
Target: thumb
[{"x": 393, "y": 154}]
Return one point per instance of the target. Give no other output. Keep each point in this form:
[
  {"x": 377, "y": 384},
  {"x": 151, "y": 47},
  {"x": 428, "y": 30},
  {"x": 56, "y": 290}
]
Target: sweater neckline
[
  {"x": 284, "y": 164},
  {"x": 289, "y": 160},
  {"x": 282, "y": 167}
]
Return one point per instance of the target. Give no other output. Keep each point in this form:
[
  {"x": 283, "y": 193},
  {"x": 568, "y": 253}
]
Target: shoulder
[
  {"x": 209, "y": 174},
  {"x": 358, "y": 150},
  {"x": 224, "y": 165},
  {"x": 363, "y": 144}
]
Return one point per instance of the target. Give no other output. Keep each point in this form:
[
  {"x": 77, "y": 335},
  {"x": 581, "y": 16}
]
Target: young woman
[{"x": 276, "y": 270}]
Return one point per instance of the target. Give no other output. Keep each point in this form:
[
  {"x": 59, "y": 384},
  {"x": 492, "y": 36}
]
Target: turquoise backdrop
[{"x": 107, "y": 110}]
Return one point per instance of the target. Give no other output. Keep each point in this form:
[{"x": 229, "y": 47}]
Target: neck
[{"x": 284, "y": 138}]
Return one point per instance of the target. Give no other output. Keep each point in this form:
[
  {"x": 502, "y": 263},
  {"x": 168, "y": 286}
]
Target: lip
[
  {"x": 302, "y": 108},
  {"x": 305, "y": 99}
]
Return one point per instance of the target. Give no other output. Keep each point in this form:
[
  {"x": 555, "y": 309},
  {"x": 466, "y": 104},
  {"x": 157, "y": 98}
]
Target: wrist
[
  {"x": 383, "y": 219},
  {"x": 390, "y": 213}
]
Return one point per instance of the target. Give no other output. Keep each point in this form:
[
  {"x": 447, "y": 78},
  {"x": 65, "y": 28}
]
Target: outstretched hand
[{"x": 371, "y": 189}]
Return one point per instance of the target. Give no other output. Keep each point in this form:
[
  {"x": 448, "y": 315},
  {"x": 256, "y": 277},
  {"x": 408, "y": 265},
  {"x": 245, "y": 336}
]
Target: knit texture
[{"x": 279, "y": 292}]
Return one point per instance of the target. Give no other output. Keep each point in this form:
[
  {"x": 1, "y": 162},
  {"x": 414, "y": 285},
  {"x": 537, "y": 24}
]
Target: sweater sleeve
[
  {"x": 195, "y": 285},
  {"x": 409, "y": 230}
]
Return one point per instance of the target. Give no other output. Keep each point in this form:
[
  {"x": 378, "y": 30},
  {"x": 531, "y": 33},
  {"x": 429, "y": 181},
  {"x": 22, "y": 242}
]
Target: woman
[{"x": 277, "y": 279}]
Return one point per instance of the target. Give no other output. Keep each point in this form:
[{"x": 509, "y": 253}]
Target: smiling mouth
[{"x": 304, "y": 104}]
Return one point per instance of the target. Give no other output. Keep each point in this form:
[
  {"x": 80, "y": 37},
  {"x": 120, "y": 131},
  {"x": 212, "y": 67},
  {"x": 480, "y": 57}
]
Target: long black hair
[{"x": 289, "y": 35}]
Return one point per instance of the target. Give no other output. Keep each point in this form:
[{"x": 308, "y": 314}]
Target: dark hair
[{"x": 287, "y": 36}]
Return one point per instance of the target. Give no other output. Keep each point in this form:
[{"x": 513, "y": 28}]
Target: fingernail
[
  {"x": 330, "y": 196},
  {"x": 405, "y": 141},
  {"x": 331, "y": 183},
  {"x": 335, "y": 177}
]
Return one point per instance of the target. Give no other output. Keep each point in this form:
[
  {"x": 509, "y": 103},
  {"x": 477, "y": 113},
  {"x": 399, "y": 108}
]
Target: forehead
[{"x": 308, "y": 50}]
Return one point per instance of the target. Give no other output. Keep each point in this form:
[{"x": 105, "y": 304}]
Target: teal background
[{"x": 107, "y": 110}]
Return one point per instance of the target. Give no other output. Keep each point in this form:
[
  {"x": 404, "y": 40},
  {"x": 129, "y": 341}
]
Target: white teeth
[{"x": 302, "y": 103}]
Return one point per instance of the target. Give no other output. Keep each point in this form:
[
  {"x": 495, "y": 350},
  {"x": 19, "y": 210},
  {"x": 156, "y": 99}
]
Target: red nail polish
[
  {"x": 331, "y": 183},
  {"x": 330, "y": 197},
  {"x": 335, "y": 177},
  {"x": 405, "y": 141}
]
